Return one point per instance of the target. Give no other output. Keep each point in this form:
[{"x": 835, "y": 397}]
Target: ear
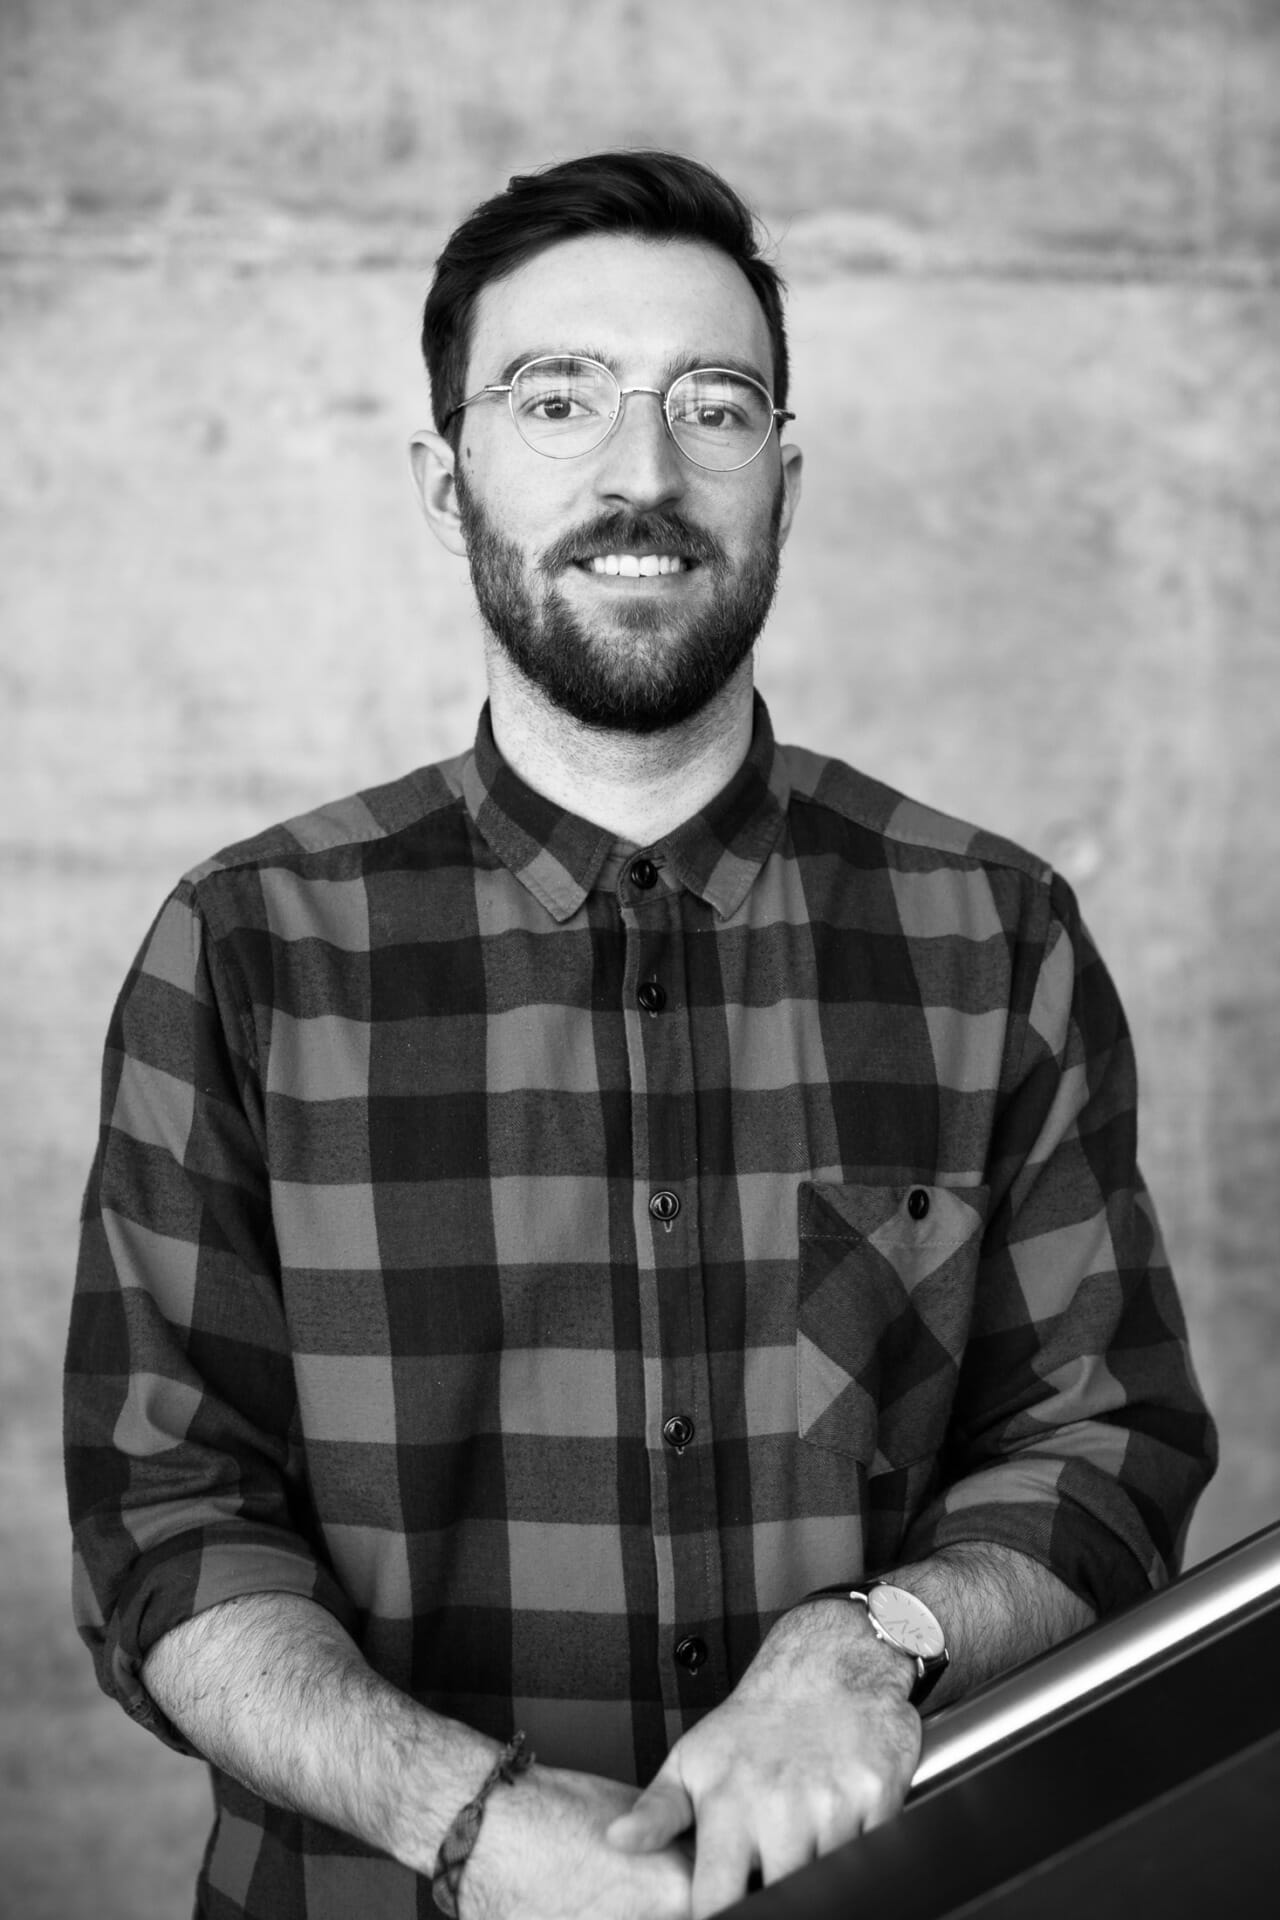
[
  {"x": 792, "y": 474},
  {"x": 432, "y": 459}
]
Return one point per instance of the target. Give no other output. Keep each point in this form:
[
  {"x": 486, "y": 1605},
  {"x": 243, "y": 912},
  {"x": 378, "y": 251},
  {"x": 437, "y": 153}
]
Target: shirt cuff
[
  {"x": 1105, "y": 1557},
  {"x": 186, "y": 1577}
]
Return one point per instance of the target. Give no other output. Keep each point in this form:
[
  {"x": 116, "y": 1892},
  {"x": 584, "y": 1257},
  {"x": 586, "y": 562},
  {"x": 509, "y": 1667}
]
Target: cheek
[
  {"x": 744, "y": 525},
  {"x": 533, "y": 510},
  {"x": 769, "y": 504}
]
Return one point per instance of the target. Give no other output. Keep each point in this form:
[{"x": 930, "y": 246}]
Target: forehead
[{"x": 640, "y": 304}]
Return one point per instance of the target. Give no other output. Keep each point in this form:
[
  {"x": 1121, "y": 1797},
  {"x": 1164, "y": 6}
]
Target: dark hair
[{"x": 659, "y": 196}]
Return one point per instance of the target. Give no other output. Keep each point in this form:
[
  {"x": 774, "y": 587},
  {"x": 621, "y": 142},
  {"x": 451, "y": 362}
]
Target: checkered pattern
[{"x": 373, "y": 1306}]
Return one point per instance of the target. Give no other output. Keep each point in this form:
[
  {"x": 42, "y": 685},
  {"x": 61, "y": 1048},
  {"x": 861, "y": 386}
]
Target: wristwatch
[{"x": 903, "y": 1622}]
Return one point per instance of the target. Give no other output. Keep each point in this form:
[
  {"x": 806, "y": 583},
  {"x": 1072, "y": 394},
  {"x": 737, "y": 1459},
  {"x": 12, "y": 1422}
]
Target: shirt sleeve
[
  {"x": 183, "y": 1472},
  {"x": 1080, "y": 1435}
]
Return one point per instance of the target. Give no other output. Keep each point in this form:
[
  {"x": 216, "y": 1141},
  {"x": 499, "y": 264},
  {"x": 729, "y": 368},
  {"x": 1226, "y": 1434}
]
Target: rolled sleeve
[
  {"x": 173, "y": 1583},
  {"x": 1081, "y": 1438},
  {"x": 182, "y": 1473}
]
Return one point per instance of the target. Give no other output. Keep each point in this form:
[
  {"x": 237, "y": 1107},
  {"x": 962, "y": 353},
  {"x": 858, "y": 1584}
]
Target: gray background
[{"x": 1033, "y": 252}]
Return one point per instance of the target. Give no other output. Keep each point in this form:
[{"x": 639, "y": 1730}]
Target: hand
[
  {"x": 542, "y": 1855},
  {"x": 817, "y": 1743}
]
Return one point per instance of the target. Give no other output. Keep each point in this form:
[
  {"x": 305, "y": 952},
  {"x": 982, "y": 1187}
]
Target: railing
[{"x": 1067, "y": 1678}]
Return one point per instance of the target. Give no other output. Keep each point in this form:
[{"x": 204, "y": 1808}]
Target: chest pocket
[{"x": 886, "y": 1279}]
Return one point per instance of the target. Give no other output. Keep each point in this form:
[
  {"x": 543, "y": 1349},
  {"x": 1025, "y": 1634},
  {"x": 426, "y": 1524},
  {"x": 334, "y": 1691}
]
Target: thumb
[{"x": 663, "y": 1811}]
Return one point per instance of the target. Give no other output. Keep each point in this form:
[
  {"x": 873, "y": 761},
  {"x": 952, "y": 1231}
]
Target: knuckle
[
  {"x": 882, "y": 1804},
  {"x": 866, "y": 1795}
]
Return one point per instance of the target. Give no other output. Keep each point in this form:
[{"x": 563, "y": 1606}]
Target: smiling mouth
[{"x": 637, "y": 566}]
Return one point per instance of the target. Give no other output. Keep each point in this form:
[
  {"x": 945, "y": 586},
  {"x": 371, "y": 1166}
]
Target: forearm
[
  {"x": 997, "y": 1607},
  {"x": 273, "y": 1691}
]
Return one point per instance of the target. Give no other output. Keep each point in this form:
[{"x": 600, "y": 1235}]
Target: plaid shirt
[{"x": 557, "y": 1258}]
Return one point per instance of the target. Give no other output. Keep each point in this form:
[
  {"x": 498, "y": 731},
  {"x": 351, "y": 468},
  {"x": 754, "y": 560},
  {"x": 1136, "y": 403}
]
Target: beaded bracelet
[{"x": 458, "y": 1842}]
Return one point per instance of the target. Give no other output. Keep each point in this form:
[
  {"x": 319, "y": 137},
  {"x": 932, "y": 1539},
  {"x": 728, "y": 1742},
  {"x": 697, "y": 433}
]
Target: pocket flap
[{"x": 885, "y": 1303}]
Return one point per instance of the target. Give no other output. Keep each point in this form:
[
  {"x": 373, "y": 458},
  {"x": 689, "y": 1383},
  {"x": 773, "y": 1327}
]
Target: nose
[{"x": 640, "y": 464}]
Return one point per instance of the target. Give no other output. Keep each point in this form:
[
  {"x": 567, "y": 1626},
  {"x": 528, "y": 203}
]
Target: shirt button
[
  {"x": 691, "y": 1652},
  {"x": 651, "y": 996},
  {"x": 678, "y": 1431},
  {"x": 917, "y": 1203},
  {"x": 644, "y": 874},
  {"x": 665, "y": 1206}
]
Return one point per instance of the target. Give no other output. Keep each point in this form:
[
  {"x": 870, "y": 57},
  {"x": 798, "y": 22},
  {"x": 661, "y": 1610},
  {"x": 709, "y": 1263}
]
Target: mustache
[{"x": 633, "y": 533}]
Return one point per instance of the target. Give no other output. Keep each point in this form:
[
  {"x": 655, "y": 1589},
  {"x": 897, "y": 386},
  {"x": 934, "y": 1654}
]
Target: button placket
[{"x": 659, "y": 1031}]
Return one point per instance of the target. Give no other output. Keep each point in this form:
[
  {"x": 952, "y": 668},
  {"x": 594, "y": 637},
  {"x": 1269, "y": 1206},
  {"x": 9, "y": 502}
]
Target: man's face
[{"x": 632, "y": 650}]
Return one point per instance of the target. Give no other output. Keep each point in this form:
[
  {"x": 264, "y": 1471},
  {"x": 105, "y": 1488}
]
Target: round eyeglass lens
[
  {"x": 719, "y": 419},
  {"x": 563, "y": 406}
]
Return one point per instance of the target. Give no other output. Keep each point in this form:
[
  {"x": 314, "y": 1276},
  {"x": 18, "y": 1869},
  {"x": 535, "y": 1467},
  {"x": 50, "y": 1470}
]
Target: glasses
[{"x": 564, "y": 406}]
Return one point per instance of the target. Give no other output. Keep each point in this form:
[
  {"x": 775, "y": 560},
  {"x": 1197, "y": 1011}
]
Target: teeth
[{"x": 634, "y": 566}]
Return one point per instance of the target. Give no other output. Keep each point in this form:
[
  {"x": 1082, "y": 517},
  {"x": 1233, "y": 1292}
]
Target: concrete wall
[{"x": 1033, "y": 248}]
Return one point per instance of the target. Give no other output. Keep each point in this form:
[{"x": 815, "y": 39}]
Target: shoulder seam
[
  {"x": 275, "y": 843},
  {"x": 984, "y": 848}
]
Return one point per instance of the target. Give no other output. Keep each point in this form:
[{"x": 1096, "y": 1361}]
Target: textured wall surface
[{"x": 1034, "y": 249}]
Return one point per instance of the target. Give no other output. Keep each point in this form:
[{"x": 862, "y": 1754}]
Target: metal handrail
[{"x": 1067, "y": 1676}]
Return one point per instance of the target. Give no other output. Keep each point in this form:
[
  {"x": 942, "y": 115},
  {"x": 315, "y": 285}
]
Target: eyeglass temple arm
[{"x": 479, "y": 394}]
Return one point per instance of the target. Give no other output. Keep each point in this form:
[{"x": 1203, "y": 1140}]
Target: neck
[{"x": 637, "y": 786}]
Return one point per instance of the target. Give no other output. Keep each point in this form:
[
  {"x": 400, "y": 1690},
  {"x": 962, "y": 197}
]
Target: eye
[
  {"x": 710, "y": 412},
  {"x": 556, "y": 392},
  {"x": 551, "y": 407},
  {"x": 718, "y": 403}
]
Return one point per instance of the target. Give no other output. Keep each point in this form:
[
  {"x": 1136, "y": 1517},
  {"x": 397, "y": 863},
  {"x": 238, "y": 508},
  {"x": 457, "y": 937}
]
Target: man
[{"x": 558, "y": 1213}]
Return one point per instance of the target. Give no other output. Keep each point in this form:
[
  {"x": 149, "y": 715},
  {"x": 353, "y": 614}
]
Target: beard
[{"x": 644, "y": 665}]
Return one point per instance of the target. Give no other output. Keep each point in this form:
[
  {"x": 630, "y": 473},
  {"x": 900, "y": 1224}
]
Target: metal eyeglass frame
[{"x": 780, "y": 414}]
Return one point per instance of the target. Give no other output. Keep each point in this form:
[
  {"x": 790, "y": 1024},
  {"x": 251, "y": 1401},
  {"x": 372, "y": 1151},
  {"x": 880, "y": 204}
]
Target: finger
[
  {"x": 663, "y": 1811},
  {"x": 822, "y": 1819},
  {"x": 785, "y": 1848},
  {"x": 883, "y": 1807},
  {"x": 722, "y": 1866}
]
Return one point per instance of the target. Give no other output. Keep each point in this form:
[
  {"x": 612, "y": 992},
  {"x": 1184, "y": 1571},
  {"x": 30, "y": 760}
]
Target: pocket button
[{"x": 917, "y": 1203}]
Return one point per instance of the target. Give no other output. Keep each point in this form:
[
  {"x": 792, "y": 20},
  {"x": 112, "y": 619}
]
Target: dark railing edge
[{"x": 1066, "y": 1677}]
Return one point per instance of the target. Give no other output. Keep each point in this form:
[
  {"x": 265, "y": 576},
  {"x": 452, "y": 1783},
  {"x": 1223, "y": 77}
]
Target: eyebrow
[{"x": 680, "y": 363}]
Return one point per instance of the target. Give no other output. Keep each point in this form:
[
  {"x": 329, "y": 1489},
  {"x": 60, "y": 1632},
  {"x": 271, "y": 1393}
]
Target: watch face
[{"x": 907, "y": 1621}]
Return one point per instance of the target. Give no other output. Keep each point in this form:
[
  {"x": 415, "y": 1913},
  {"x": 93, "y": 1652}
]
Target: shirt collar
[{"x": 560, "y": 857}]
